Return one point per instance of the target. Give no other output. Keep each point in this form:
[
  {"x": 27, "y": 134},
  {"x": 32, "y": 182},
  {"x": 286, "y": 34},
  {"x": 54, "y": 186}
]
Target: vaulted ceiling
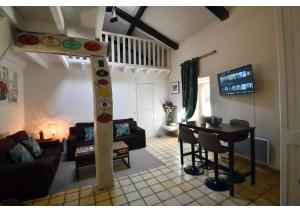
[{"x": 174, "y": 23}]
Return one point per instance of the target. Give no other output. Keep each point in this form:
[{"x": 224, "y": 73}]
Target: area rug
[{"x": 65, "y": 178}]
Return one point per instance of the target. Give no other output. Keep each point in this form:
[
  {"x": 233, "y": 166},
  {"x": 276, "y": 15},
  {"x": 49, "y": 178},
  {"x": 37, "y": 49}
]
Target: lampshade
[{"x": 52, "y": 128}]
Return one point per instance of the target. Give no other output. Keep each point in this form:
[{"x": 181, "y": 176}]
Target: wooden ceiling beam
[
  {"x": 59, "y": 20},
  {"x": 144, "y": 27},
  {"x": 221, "y": 12},
  {"x": 137, "y": 18}
]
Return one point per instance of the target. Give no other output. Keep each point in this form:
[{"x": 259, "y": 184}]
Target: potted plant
[{"x": 169, "y": 108}]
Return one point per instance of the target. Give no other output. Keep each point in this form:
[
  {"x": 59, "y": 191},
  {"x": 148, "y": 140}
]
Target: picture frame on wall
[{"x": 175, "y": 87}]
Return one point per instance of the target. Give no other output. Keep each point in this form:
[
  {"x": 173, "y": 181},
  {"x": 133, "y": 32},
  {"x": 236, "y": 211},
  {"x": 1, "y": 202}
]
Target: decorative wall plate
[
  {"x": 102, "y": 82},
  {"x": 28, "y": 39},
  {"x": 92, "y": 46},
  {"x": 102, "y": 73},
  {"x": 103, "y": 92},
  {"x": 71, "y": 44},
  {"x": 104, "y": 117},
  {"x": 50, "y": 41},
  {"x": 104, "y": 105}
]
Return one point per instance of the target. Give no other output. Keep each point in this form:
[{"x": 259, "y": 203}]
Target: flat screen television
[{"x": 236, "y": 81}]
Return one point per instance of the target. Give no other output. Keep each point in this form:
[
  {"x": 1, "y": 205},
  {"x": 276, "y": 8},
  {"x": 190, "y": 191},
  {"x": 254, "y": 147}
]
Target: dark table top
[{"x": 222, "y": 128}]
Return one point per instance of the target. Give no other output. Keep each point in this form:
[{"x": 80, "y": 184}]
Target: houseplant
[{"x": 169, "y": 108}]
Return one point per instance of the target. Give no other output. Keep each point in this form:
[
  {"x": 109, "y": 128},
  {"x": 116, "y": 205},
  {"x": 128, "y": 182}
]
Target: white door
[
  {"x": 288, "y": 37},
  {"x": 145, "y": 108}
]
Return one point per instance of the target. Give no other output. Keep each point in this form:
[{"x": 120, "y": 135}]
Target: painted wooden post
[
  {"x": 103, "y": 122},
  {"x": 59, "y": 44}
]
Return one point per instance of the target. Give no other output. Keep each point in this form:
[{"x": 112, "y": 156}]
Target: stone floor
[{"x": 169, "y": 185}]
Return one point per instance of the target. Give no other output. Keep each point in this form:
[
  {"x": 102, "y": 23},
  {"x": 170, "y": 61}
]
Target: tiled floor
[{"x": 169, "y": 185}]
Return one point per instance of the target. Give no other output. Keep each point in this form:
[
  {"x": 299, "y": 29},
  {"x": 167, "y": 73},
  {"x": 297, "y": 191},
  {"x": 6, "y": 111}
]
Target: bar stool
[
  {"x": 187, "y": 136},
  {"x": 211, "y": 142}
]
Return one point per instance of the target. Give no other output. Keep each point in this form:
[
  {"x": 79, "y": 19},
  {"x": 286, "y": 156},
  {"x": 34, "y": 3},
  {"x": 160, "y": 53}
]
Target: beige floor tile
[
  {"x": 128, "y": 188},
  {"x": 186, "y": 186},
  {"x": 104, "y": 203},
  {"x": 73, "y": 190},
  {"x": 86, "y": 187},
  {"x": 152, "y": 181},
  {"x": 240, "y": 200},
  {"x": 194, "y": 203},
  {"x": 136, "y": 179},
  {"x": 206, "y": 201},
  {"x": 195, "y": 194},
  {"x": 164, "y": 195},
  {"x": 157, "y": 188},
  {"x": 162, "y": 178},
  {"x": 249, "y": 195},
  {"x": 168, "y": 184},
  {"x": 57, "y": 200},
  {"x": 87, "y": 200},
  {"x": 139, "y": 202},
  {"x": 140, "y": 185},
  {"x": 125, "y": 182},
  {"x": 263, "y": 202},
  {"x": 72, "y": 203},
  {"x": 102, "y": 196},
  {"x": 147, "y": 176},
  {"x": 175, "y": 190},
  {"x": 151, "y": 200},
  {"x": 217, "y": 197},
  {"x": 72, "y": 196},
  {"x": 116, "y": 192},
  {"x": 120, "y": 200},
  {"x": 228, "y": 202},
  {"x": 272, "y": 197},
  {"x": 204, "y": 189},
  {"x": 132, "y": 196},
  {"x": 44, "y": 202},
  {"x": 58, "y": 194},
  {"x": 156, "y": 173},
  {"x": 172, "y": 202},
  {"x": 184, "y": 199},
  {"x": 145, "y": 192},
  {"x": 86, "y": 193},
  {"x": 178, "y": 180}
]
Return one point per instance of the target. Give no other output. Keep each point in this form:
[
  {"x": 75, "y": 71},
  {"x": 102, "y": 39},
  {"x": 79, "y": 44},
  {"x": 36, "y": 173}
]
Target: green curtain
[{"x": 189, "y": 78}]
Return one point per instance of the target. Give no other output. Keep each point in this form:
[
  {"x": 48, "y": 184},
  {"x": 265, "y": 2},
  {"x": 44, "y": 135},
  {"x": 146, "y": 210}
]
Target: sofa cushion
[
  {"x": 89, "y": 133},
  {"x": 121, "y": 121},
  {"x": 122, "y": 129},
  {"x": 33, "y": 147},
  {"x": 20, "y": 154},
  {"x": 5, "y": 145},
  {"x": 80, "y": 132},
  {"x": 19, "y": 136}
]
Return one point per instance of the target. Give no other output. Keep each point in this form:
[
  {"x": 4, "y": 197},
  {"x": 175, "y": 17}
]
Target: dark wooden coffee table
[{"x": 85, "y": 155}]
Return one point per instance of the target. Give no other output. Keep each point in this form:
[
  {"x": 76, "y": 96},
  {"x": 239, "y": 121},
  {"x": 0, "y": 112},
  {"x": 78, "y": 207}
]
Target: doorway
[{"x": 145, "y": 107}]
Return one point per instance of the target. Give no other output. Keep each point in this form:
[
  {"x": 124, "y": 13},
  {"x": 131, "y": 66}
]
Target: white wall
[
  {"x": 248, "y": 36},
  {"x": 65, "y": 97},
  {"x": 12, "y": 115}
]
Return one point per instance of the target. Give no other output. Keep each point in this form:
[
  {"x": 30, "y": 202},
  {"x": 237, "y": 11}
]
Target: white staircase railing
[{"x": 129, "y": 50}]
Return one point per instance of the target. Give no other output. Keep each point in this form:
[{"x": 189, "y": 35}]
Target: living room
[{"x": 54, "y": 93}]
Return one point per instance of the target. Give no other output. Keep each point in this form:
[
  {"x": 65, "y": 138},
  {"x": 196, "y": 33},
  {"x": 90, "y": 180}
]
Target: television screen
[{"x": 236, "y": 81}]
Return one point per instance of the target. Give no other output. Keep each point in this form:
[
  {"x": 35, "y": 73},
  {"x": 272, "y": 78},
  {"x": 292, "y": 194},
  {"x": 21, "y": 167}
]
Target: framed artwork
[
  {"x": 174, "y": 87},
  {"x": 8, "y": 86}
]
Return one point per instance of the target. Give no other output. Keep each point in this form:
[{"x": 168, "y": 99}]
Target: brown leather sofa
[
  {"x": 135, "y": 140},
  {"x": 31, "y": 179}
]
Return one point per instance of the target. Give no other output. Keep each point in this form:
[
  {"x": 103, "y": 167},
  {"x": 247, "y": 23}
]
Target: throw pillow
[
  {"x": 89, "y": 133},
  {"x": 122, "y": 129},
  {"x": 20, "y": 154},
  {"x": 33, "y": 147}
]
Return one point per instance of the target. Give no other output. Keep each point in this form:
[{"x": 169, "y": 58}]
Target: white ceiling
[{"x": 176, "y": 23}]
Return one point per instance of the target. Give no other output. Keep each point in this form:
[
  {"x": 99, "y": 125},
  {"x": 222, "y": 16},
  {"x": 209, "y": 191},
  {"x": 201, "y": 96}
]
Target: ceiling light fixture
[{"x": 114, "y": 17}]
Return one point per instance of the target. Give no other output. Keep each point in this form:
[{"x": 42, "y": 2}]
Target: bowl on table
[{"x": 214, "y": 121}]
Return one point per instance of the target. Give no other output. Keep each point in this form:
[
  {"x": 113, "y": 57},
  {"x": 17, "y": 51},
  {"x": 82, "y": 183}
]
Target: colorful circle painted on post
[
  {"x": 71, "y": 44},
  {"x": 50, "y": 41},
  {"x": 28, "y": 39},
  {"x": 102, "y": 82},
  {"x": 103, "y": 92},
  {"x": 102, "y": 73},
  {"x": 92, "y": 46},
  {"x": 104, "y": 117},
  {"x": 104, "y": 105}
]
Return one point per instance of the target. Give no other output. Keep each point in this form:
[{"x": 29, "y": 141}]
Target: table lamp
[{"x": 52, "y": 128}]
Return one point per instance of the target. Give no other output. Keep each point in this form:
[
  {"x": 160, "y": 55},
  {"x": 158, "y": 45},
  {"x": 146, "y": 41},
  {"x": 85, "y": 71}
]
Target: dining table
[{"x": 230, "y": 134}]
